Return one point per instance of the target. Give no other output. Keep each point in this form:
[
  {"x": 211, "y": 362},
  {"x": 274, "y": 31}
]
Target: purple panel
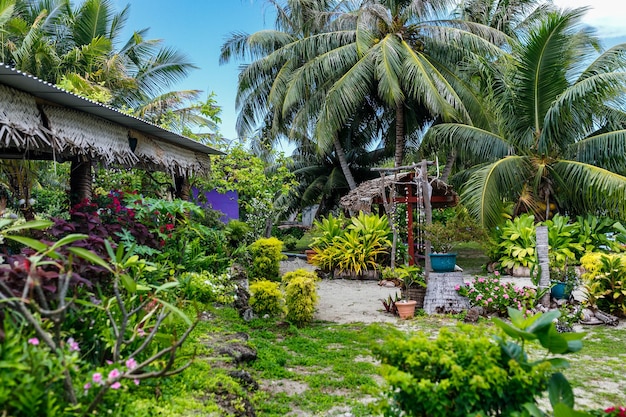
[{"x": 227, "y": 203}]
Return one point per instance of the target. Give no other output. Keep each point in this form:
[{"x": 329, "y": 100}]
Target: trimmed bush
[
  {"x": 301, "y": 298},
  {"x": 266, "y": 256},
  {"x": 288, "y": 276},
  {"x": 266, "y": 298}
]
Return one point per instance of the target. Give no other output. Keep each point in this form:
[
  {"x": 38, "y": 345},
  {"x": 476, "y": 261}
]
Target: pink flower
[
  {"x": 116, "y": 385},
  {"x": 97, "y": 378},
  {"x": 86, "y": 386},
  {"x": 114, "y": 374},
  {"x": 136, "y": 381},
  {"x": 496, "y": 280},
  {"x": 505, "y": 296},
  {"x": 131, "y": 364},
  {"x": 108, "y": 362},
  {"x": 479, "y": 297},
  {"x": 33, "y": 341},
  {"x": 457, "y": 287},
  {"x": 73, "y": 345},
  {"x": 481, "y": 279},
  {"x": 141, "y": 332},
  {"x": 490, "y": 300},
  {"x": 496, "y": 273}
]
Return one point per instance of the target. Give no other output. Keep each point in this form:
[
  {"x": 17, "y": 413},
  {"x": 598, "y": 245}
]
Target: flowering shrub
[
  {"x": 207, "y": 287},
  {"x": 616, "y": 411},
  {"x": 495, "y": 296}
]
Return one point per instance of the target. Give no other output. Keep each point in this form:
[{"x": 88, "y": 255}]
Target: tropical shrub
[
  {"x": 266, "y": 298},
  {"x": 466, "y": 371},
  {"x": 604, "y": 281},
  {"x": 495, "y": 296},
  {"x": 516, "y": 242},
  {"x": 266, "y": 256},
  {"x": 115, "y": 323},
  {"x": 300, "y": 299},
  {"x": 562, "y": 240},
  {"x": 207, "y": 287},
  {"x": 358, "y": 247}
]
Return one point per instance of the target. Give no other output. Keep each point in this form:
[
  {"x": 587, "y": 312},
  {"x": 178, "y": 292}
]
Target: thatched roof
[
  {"x": 41, "y": 121},
  {"x": 370, "y": 192}
]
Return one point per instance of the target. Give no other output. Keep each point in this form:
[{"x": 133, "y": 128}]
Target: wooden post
[
  {"x": 183, "y": 188},
  {"x": 428, "y": 212},
  {"x": 81, "y": 180},
  {"x": 544, "y": 264}
]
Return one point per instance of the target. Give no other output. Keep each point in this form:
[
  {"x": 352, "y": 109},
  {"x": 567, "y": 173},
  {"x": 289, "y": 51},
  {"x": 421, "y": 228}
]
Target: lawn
[{"x": 328, "y": 369}]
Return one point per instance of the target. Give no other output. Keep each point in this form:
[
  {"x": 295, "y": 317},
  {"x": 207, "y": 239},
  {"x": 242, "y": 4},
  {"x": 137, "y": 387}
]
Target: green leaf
[
  {"x": 533, "y": 410},
  {"x": 91, "y": 257},
  {"x": 129, "y": 283},
  {"x": 67, "y": 240},
  {"x": 176, "y": 310},
  {"x": 34, "y": 224},
  {"x": 513, "y": 331},
  {"x": 166, "y": 286},
  {"x": 560, "y": 390},
  {"x": 30, "y": 242}
]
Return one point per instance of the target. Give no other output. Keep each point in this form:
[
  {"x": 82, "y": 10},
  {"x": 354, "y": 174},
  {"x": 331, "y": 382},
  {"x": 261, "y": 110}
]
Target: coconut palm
[
  {"x": 399, "y": 52},
  {"x": 558, "y": 135}
]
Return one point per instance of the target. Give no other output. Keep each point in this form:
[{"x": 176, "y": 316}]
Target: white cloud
[{"x": 607, "y": 16}]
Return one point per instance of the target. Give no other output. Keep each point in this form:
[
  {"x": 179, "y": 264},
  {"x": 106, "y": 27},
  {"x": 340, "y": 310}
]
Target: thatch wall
[{"x": 46, "y": 130}]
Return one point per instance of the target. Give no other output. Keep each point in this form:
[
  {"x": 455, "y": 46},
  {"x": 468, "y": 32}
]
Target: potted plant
[
  {"x": 564, "y": 281},
  {"x": 443, "y": 236},
  {"x": 413, "y": 289}
]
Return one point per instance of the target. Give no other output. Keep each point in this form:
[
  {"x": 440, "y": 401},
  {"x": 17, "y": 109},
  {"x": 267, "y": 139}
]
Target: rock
[
  {"x": 240, "y": 352},
  {"x": 245, "y": 379},
  {"x": 248, "y": 314},
  {"x": 472, "y": 315}
]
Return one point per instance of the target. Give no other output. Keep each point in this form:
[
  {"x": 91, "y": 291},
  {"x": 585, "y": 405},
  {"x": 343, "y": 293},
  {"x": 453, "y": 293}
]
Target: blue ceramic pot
[
  {"x": 559, "y": 290},
  {"x": 443, "y": 262}
]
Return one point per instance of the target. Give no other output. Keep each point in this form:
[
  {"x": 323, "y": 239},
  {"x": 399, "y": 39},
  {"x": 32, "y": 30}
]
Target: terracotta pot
[
  {"x": 406, "y": 309},
  {"x": 309, "y": 254}
]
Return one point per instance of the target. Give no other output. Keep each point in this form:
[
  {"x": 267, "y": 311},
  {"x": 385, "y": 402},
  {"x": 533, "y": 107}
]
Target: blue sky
[{"x": 199, "y": 27}]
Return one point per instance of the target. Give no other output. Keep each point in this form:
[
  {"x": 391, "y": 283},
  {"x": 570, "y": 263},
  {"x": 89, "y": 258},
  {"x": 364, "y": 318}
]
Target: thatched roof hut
[
  {"x": 370, "y": 193},
  {"x": 41, "y": 121}
]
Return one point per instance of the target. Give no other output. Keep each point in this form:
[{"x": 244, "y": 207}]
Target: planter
[
  {"x": 416, "y": 294},
  {"x": 560, "y": 290},
  {"x": 443, "y": 262},
  {"x": 309, "y": 254},
  {"x": 406, "y": 309}
]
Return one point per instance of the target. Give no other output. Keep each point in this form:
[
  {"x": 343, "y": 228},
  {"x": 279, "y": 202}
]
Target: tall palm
[
  {"x": 262, "y": 83},
  {"x": 401, "y": 53},
  {"x": 558, "y": 135}
]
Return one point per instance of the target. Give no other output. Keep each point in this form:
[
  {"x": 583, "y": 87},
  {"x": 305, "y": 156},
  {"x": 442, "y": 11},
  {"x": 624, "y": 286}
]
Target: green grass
[
  {"x": 333, "y": 368},
  {"x": 471, "y": 257}
]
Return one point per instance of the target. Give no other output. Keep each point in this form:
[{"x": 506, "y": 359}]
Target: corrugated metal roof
[{"x": 46, "y": 91}]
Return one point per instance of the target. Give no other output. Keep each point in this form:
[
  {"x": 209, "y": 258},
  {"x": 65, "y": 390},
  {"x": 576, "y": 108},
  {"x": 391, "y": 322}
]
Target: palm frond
[
  {"x": 489, "y": 187},
  {"x": 472, "y": 143}
]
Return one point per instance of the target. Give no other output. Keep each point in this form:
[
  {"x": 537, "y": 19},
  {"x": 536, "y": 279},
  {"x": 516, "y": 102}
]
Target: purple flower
[
  {"x": 116, "y": 385},
  {"x": 73, "y": 345},
  {"x": 33, "y": 341},
  {"x": 131, "y": 364}
]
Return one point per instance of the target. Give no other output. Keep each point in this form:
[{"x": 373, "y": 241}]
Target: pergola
[
  {"x": 39, "y": 121},
  {"x": 403, "y": 185}
]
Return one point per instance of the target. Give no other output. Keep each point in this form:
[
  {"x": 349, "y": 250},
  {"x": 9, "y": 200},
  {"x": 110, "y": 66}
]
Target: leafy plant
[
  {"x": 562, "y": 240},
  {"x": 266, "y": 298},
  {"x": 604, "y": 281},
  {"x": 266, "y": 256},
  {"x": 459, "y": 228},
  {"x": 516, "y": 242},
  {"x": 207, "y": 287},
  {"x": 356, "y": 248},
  {"x": 495, "y": 296},
  {"x": 460, "y": 373},
  {"x": 300, "y": 299}
]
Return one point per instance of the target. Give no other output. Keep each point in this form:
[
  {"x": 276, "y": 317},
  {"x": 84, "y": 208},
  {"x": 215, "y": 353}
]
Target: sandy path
[{"x": 348, "y": 301}]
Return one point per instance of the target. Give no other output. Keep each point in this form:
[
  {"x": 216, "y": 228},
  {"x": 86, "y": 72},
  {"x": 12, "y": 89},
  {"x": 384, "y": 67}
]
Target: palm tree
[
  {"x": 399, "y": 53},
  {"x": 558, "y": 134}
]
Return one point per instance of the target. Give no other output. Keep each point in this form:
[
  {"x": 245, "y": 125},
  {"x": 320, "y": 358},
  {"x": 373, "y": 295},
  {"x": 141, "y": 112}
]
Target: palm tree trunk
[
  {"x": 399, "y": 135},
  {"x": 80, "y": 181},
  {"x": 449, "y": 163},
  {"x": 343, "y": 162}
]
